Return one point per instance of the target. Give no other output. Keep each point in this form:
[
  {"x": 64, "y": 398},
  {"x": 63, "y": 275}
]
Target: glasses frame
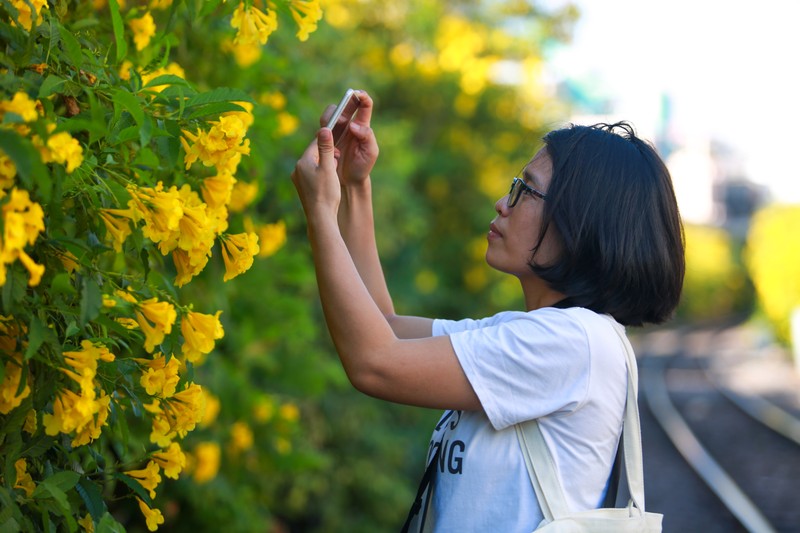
[{"x": 518, "y": 186}]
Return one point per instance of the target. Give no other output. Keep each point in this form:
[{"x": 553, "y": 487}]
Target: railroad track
[{"x": 743, "y": 449}]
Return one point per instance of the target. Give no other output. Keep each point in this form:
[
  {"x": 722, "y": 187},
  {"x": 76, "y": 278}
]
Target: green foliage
[
  {"x": 716, "y": 285},
  {"x": 291, "y": 444}
]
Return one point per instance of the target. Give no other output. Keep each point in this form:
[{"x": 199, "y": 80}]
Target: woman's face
[{"x": 515, "y": 230}]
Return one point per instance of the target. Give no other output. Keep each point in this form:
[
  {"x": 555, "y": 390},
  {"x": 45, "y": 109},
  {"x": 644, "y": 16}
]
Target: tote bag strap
[{"x": 540, "y": 464}]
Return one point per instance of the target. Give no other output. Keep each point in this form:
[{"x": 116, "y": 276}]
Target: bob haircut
[{"x": 612, "y": 204}]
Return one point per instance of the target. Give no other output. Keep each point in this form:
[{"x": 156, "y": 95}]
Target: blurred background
[{"x": 463, "y": 92}]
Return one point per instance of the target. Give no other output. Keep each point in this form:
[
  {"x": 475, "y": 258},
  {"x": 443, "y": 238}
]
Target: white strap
[{"x": 540, "y": 464}]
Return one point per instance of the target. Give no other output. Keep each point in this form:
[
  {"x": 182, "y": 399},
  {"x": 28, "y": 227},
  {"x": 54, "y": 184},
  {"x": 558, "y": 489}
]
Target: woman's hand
[
  {"x": 358, "y": 150},
  {"x": 315, "y": 178}
]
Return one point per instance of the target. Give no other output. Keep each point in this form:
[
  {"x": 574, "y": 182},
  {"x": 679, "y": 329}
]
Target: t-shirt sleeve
[{"x": 532, "y": 365}]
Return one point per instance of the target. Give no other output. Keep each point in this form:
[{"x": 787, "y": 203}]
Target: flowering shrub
[{"x": 118, "y": 186}]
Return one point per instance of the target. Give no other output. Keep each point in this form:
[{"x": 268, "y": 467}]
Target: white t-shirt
[{"x": 564, "y": 367}]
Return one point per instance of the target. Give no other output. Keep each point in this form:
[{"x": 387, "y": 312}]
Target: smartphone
[{"x": 344, "y": 113}]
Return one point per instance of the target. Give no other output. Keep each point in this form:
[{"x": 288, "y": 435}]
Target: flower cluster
[
  {"x": 11, "y": 391},
  {"x": 83, "y": 413},
  {"x": 28, "y": 11}
]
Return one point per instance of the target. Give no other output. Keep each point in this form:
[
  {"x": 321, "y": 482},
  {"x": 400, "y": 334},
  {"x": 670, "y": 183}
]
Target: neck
[{"x": 539, "y": 295}]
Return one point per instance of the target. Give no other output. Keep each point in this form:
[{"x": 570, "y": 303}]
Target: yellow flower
[
  {"x": 125, "y": 71},
  {"x": 118, "y": 225},
  {"x": 21, "y": 105},
  {"x": 161, "y": 210},
  {"x": 35, "y": 271},
  {"x": 155, "y": 319},
  {"x": 211, "y": 410},
  {"x": 306, "y": 14},
  {"x": 185, "y": 268},
  {"x": 65, "y": 150},
  {"x": 27, "y": 218},
  {"x": 160, "y": 4},
  {"x": 87, "y": 357},
  {"x": 172, "y": 460},
  {"x": 287, "y": 123},
  {"x": 289, "y": 412},
  {"x": 245, "y": 54},
  {"x": 217, "y": 189},
  {"x": 242, "y": 195},
  {"x": 143, "y": 30},
  {"x": 30, "y": 424},
  {"x": 161, "y": 377},
  {"x": 253, "y": 25},
  {"x": 87, "y": 523},
  {"x": 8, "y": 170},
  {"x": 271, "y": 238},
  {"x": 237, "y": 253},
  {"x": 24, "y": 480},
  {"x": 207, "y": 458},
  {"x": 26, "y": 15},
  {"x": 222, "y": 146},
  {"x": 153, "y": 517},
  {"x": 176, "y": 416},
  {"x": 148, "y": 477},
  {"x": 12, "y": 378},
  {"x": 199, "y": 333},
  {"x": 264, "y": 409},
  {"x": 241, "y": 437},
  {"x": 80, "y": 413},
  {"x": 173, "y": 68}
]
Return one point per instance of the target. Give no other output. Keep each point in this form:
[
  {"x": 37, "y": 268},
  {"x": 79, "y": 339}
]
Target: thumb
[{"x": 325, "y": 145}]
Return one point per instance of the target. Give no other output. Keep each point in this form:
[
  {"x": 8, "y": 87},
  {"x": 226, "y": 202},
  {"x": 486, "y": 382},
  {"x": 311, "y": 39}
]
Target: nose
[{"x": 501, "y": 206}]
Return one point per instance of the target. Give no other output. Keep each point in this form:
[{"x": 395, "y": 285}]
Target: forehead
[{"x": 539, "y": 170}]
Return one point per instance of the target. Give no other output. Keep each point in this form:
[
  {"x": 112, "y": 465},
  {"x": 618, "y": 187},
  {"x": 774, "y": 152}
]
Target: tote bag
[{"x": 541, "y": 468}]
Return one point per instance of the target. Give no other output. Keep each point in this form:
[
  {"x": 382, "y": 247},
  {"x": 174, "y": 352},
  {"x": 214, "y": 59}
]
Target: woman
[{"x": 589, "y": 227}]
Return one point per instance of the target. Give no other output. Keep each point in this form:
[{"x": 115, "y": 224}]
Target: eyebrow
[{"x": 528, "y": 176}]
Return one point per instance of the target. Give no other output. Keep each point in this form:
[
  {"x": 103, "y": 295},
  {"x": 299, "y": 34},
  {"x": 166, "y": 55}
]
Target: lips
[{"x": 494, "y": 232}]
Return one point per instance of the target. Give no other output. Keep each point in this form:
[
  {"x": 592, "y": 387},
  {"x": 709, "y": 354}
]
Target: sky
[{"x": 729, "y": 69}]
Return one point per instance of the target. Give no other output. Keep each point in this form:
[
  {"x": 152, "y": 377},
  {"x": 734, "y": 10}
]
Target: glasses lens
[{"x": 514, "y": 192}]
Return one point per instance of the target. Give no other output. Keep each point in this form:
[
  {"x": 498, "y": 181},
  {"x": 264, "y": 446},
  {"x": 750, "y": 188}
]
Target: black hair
[{"x": 613, "y": 207}]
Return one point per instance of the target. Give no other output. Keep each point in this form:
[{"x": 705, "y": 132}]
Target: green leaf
[
  {"x": 72, "y": 48},
  {"x": 36, "y": 334},
  {"x": 62, "y": 284},
  {"x": 119, "y": 30},
  {"x": 24, "y": 155},
  {"x": 216, "y": 108},
  {"x": 91, "y": 301},
  {"x": 92, "y": 497},
  {"x": 136, "y": 487},
  {"x": 130, "y": 103},
  {"x": 208, "y": 7},
  {"x": 221, "y": 94},
  {"x": 38, "y": 445},
  {"x": 167, "y": 79},
  {"x": 47, "y": 490},
  {"x": 64, "y": 480},
  {"x": 108, "y": 525},
  {"x": 51, "y": 85}
]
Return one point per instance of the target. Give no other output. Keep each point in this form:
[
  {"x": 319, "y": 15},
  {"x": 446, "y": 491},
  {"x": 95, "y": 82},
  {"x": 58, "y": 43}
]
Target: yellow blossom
[
  {"x": 245, "y": 54},
  {"x": 68, "y": 259},
  {"x": 143, "y": 30},
  {"x": 65, "y": 150},
  {"x": 271, "y": 237},
  {"x": 161, "y": 377},
  {"x": 241, "y": 437},
  {"x": 118, "y": 225},
  {"x": 207, "y": 459},
  {"x": 237, "y": 253},
  {"x": 30, "y": 424},
  {"x": 160, "y": 4},
  {"x": 8, "y": 170},
  {"x": 211, "y": 410},
  {"x": 274, "y": 99},
  {"x": 21, "y": 105},
  {"x": 24, "y": 480},
  {"x": 217, "y": 189},
  {"x": 287, "y": 123},
  {"x": 26, "y": 15},
  {"x": 155, "y": 318},
  {"x": 221, "y": 146},
  {"x": 173, "y": 69},
  {"x": 148, "y": 477},
  {"x": 10, "y": 395},
  {"x": 125, "y": 70},
  {"x": 161, "y": 210},
  {"x": 289, "y": 412},
  {"x": 185, "y": 268},
  {"x": 306, "y": 14},
  {"x": 80, "y": 413},
  {"x": 153, "y": 517},
  {"x": 242, "y": 195},
  {"x": 264, "y": 409},
  {"x": 172, "y": 460},
  {"x": 176, "y": 416},
  {"x": 87, "y": 523},
  {"x": 253, "y": 25},
  {"x": 199, "y": 333}
]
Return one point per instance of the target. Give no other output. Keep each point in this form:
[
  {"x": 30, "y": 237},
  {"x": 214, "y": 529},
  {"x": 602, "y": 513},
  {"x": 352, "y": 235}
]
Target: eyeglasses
[{"x": 518, "y": 187}]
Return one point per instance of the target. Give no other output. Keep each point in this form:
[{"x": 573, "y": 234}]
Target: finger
[
  {"x": 325, "y": 144},
  {"x": 364, "y": 114},
  {"x": 326, "y": 115},
  {"x": 360, "y": 132}
]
